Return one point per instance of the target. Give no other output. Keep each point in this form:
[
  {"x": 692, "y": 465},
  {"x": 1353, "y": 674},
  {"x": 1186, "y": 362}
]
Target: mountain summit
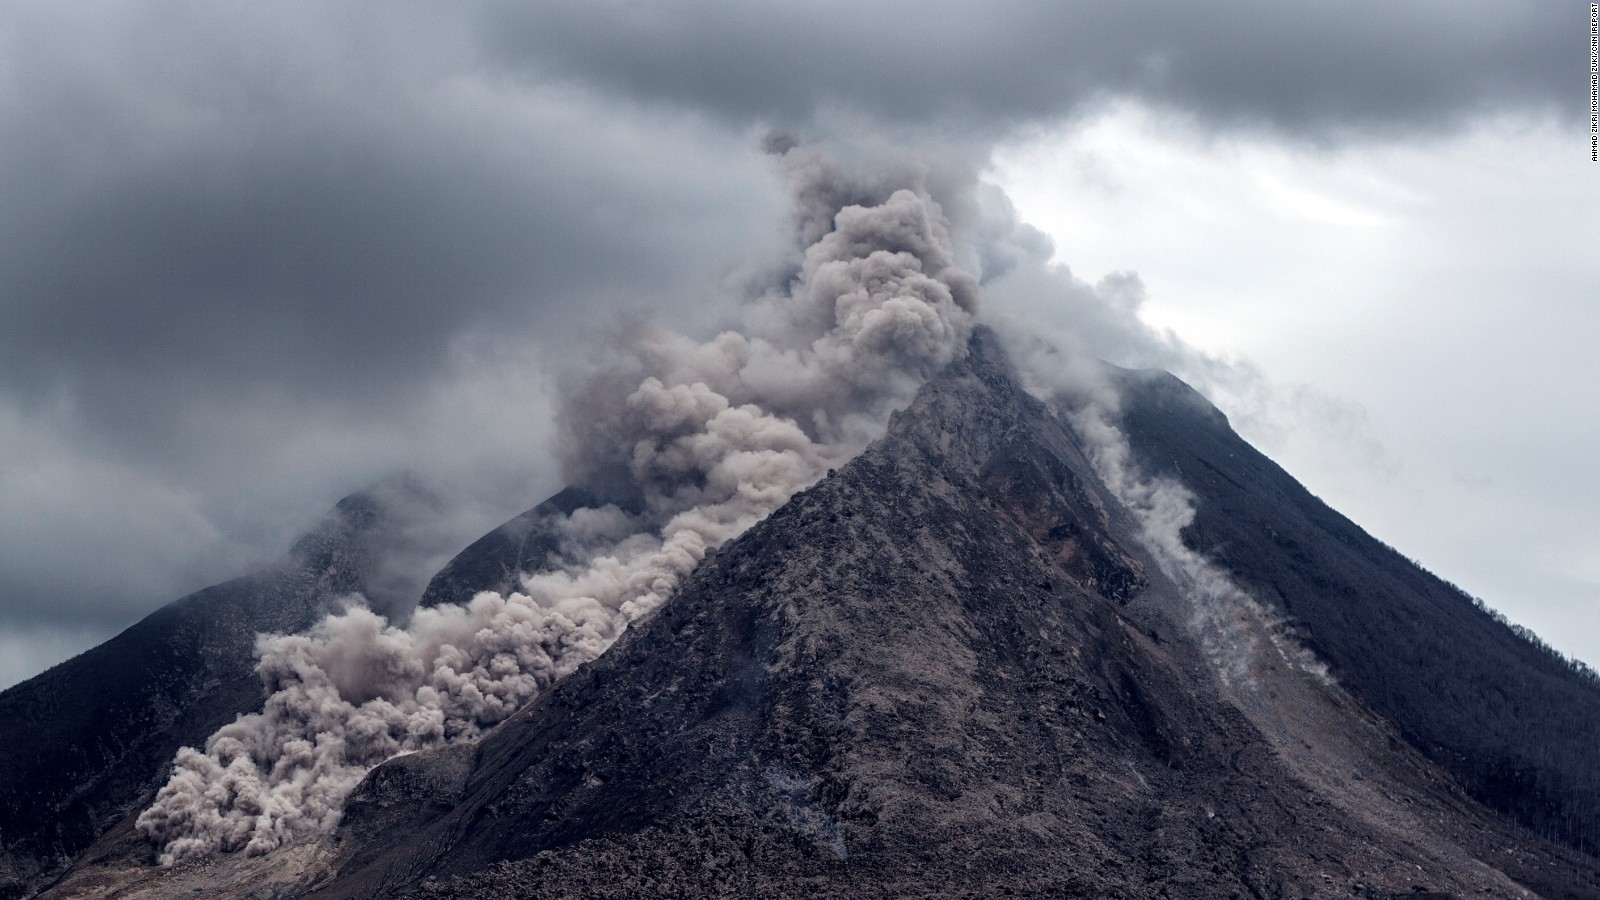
[{"x": 964, "y": 664}]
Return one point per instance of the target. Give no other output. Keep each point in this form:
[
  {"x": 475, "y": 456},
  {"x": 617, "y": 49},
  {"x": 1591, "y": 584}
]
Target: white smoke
[
  {"x": 705, "y": 438},
  {"x": 1229, "y": 624}
]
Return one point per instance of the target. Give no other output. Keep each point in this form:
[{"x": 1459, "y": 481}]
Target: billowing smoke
[{"x": 698, "y": 440}]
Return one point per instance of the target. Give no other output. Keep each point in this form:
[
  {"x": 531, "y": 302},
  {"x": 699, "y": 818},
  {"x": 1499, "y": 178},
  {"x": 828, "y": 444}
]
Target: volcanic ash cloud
[{"x": 704, "y": 439}]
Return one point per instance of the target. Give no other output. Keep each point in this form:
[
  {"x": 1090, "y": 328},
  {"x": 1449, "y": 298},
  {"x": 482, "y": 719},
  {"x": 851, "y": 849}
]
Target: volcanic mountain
[
  {"x": 963, "y": 665},
  {"x": 86, "y": 743}
]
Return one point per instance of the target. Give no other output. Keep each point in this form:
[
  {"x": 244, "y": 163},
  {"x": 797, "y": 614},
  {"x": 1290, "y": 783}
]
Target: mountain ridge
[
  {"x": 949, "y": 668},
  {"x": 1414, "y": 647}
]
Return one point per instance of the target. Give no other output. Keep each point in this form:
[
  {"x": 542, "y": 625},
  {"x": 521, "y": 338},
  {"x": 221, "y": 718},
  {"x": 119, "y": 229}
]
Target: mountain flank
[
  {"x": 85, "y": 745},
  {"x": 947, "y": 670},
  {"x": 952, "y": 668},
  {"x": 1515, "y": 723}
]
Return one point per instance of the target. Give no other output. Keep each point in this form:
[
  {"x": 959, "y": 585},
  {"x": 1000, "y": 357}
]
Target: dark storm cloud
[
  {"x": 1314, "y": 68},
  {"x": 253, "y": 256},
  {"x": 277, "y": 211}
]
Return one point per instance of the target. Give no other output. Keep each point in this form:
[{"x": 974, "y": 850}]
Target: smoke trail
[
  {"x": 1063, "y": 368},
  {"x": 1229, "y": 624},
  {"x": 705, "y": 438}
]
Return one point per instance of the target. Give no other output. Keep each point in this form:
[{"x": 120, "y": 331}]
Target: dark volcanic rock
[
  {"x": 86, "y": 744},
  {"x": 939, "y": 672},
  {"x": 1514, "y": 722}
]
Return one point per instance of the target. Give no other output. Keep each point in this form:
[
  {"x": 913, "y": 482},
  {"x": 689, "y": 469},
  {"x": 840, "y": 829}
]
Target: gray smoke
[
  {"x": 1237, "y": 633},
  {"x": 701, "y": 438}
]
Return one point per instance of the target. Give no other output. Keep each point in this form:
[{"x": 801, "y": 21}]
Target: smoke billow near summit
[
  {"x": 694, "y": 442},
  {"x": 705, "y": 438}
]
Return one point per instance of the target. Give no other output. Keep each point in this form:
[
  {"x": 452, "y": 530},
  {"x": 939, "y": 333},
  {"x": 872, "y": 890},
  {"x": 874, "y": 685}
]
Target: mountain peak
[
  {"x": 952, "y": 667},
  {"x": 919, "y": 677}
]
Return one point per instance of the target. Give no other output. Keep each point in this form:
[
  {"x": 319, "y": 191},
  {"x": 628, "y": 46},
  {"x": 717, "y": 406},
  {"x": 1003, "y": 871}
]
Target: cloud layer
[
  {"x": 256, "y": 257},
  {"x": 1311, "y": 69}
]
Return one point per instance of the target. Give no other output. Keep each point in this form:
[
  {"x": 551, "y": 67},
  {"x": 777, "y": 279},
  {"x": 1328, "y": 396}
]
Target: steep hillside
[
  {"x": 918, "y": 679},
  {"x": 86, "y": 744},
  {"x": 1517, "y": 725}
]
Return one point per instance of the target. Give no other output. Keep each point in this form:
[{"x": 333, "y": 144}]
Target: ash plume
[{"x": 696, "y": 441}]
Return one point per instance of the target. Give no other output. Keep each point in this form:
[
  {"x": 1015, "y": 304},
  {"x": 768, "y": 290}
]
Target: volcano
[{"x": 957, "y": 666}]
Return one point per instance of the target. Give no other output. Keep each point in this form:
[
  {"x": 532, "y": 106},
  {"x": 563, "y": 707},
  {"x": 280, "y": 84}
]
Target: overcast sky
[{"x": 256, "y": 256}]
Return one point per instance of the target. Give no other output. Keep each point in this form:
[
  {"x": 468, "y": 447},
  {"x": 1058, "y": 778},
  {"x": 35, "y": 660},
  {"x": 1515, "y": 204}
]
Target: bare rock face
[
  {"x": 85, "y": 745},
  {"x": 947, "y": 670}
]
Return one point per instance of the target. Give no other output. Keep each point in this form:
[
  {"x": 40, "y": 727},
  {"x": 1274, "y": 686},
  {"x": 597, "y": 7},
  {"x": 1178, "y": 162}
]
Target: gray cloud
[
  {"x": 340, "y": 247},
  {"x": 253, "y": 257},
  {"x": 1316, "y": 69}
]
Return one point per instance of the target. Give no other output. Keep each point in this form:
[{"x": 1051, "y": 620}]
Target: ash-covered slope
[
  {"x": 1515, "y": 723},
  {"x": 919, "y": 678},
  {"x": 85, "y": 745}
]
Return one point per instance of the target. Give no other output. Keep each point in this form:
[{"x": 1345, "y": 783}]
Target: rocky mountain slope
[
  {"x": 952, "y": 668},
  {"x": 1515, "y": 723},
  {"x": 948, "y": 669},
  {"x": 86, "y": 744}
]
